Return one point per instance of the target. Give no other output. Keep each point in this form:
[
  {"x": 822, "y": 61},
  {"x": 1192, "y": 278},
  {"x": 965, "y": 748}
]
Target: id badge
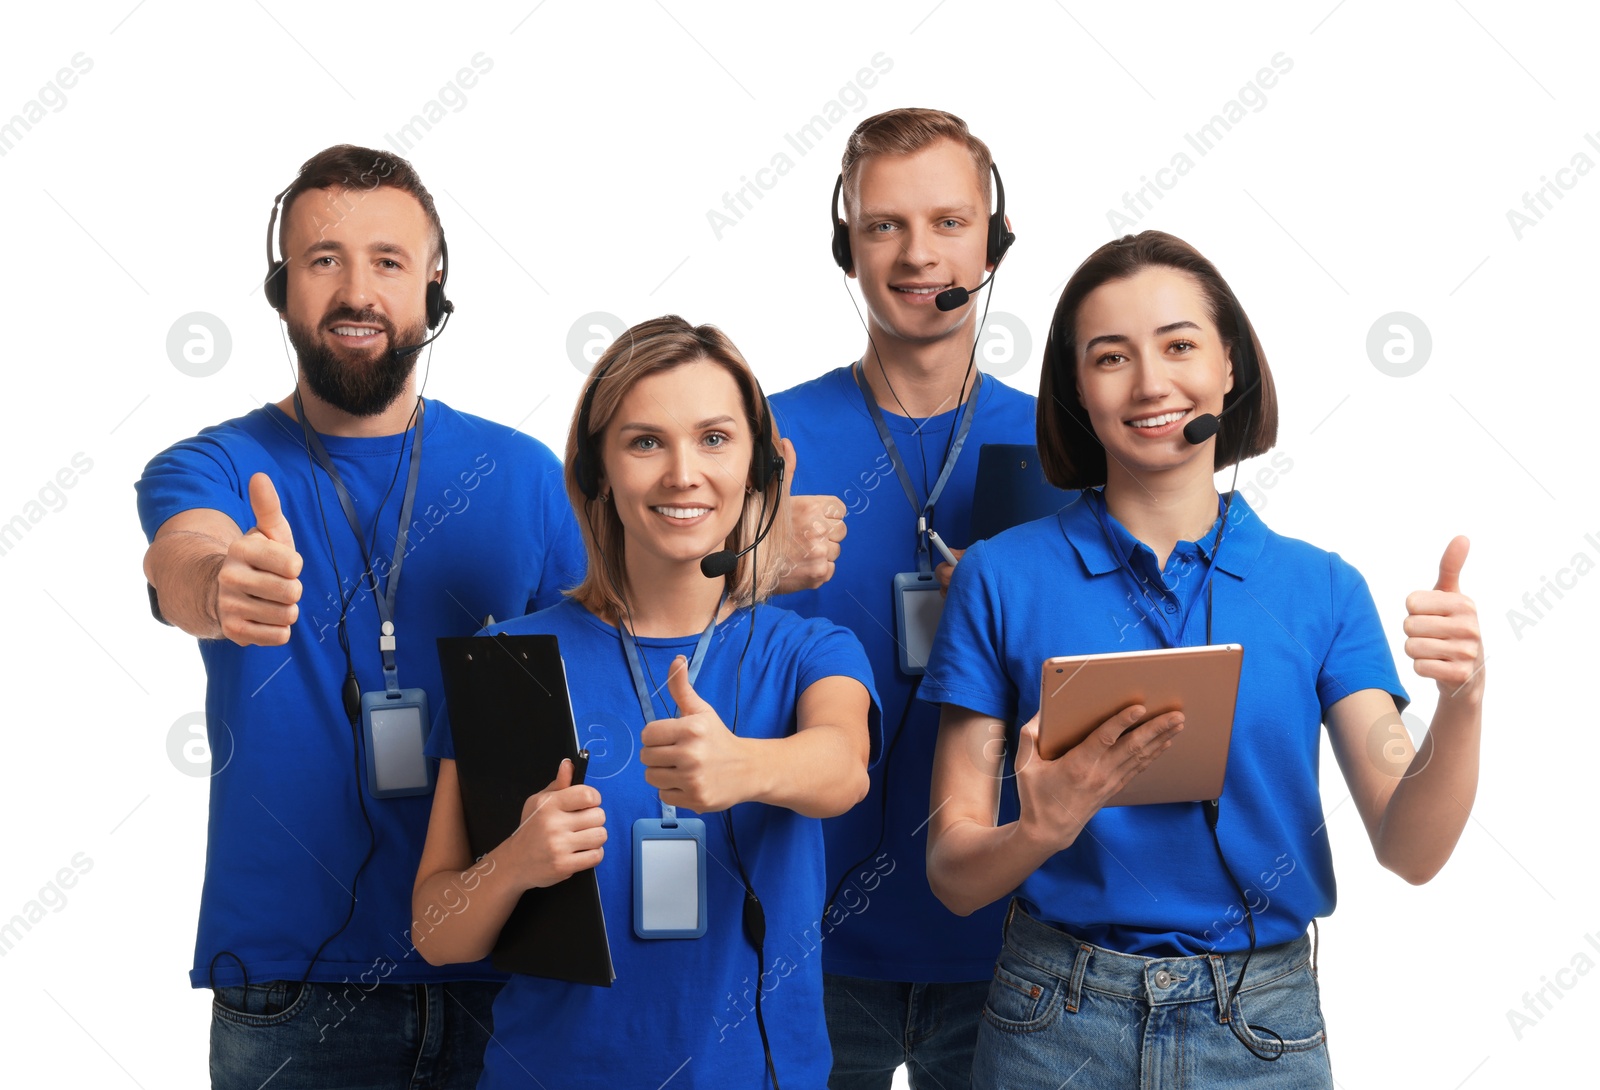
[
  {"x": 918, "y": 605},
  {"x": 396, "y": 726},
  {"x": 669, "y": 878}
]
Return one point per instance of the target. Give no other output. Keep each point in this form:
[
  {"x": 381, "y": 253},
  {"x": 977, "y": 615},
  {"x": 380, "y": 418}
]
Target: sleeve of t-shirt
[
  {"x": 196, "y": 473},
  {"x": 565, "y": 561},
  {"x": 441, "y": 743},
  {"x": 1358, "y": 655},
  {"x": 966, "y": 667},
  {"x": 830, "y": 650}
]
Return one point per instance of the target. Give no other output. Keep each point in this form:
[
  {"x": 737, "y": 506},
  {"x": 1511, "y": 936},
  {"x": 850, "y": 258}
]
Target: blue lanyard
[
  {"x": 386, "y": 599},
  {"x": 924, "y": 558},
  {"x": 1145, "y": 606},
  {"x": 647, "y": 701}
]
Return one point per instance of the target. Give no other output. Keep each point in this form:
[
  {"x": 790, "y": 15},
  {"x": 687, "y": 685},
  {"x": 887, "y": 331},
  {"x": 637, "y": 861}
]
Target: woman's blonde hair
[{"x": 658, "y": 345}]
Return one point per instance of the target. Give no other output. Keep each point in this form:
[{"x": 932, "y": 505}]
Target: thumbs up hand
[
  {"x": 258, "y": 585},
  {"x": 693, "y": 759},
  {"x": 1442, "y": 634}
]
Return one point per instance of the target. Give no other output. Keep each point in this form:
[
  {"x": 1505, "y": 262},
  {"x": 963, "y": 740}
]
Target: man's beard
[{"x": 364, "y": 384}]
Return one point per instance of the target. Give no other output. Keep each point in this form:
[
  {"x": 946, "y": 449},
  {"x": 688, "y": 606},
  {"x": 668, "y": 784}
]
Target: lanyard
[
  {"x": 386, "y": 599},
  {"x": 647, "y": 701},
  {"x": 1125, "y": 564},
  {"x": 924, "y": 560}
]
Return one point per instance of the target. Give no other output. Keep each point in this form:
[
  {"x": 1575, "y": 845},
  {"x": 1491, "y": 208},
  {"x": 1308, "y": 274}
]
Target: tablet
[{"x": 1078, "y": 693}]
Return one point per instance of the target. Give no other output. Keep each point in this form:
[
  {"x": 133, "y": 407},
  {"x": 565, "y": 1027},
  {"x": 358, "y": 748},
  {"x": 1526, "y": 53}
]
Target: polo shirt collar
[{"x": 1242, "y": 542}]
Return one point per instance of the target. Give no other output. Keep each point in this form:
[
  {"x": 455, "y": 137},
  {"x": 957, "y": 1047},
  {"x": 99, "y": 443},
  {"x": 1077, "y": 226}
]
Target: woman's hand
[
  {"x": 563, "y": 831},
  {"x": 1058, "y": 797},
  {"x": 694, "y": 760},
  {"x": 1442, "y": 634}
]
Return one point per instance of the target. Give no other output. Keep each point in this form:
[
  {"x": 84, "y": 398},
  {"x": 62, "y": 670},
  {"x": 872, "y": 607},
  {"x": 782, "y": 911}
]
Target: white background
[{"x": 577, "y": 178}]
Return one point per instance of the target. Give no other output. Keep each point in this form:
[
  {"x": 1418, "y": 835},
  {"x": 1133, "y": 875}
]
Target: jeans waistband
[{"x": 1156, "y": 981}]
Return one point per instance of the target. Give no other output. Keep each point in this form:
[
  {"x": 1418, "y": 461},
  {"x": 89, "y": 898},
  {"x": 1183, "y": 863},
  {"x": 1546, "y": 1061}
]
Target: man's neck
[
  {"x": 326, "y": 419},
  {"x": 923, "y": 380}
]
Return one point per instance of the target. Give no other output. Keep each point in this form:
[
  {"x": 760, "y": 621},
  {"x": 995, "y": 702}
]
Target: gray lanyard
[
  {"x": 924, "y": 558},
  {"x": 647, "y": 701},
  {"x": 385, "y": 600}
]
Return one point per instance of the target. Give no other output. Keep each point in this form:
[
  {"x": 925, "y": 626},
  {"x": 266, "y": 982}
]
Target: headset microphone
[
  {"x": 952, "y": 298},
  {"x": 1204, "y": 426},
  {"x": 723, "y": 561},
  {"x": 397, "y": 354}
]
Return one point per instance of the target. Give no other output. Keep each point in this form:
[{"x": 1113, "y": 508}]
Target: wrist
[
  {"x": 1033, "y": 836},
  {"x": 753, "y": 770}
]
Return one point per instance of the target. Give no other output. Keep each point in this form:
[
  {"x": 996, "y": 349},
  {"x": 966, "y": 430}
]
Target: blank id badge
[
  {"x": 918, "y": 605},
  {"x": 669, "y": 878},
  {"x": 396, "y": 728}
]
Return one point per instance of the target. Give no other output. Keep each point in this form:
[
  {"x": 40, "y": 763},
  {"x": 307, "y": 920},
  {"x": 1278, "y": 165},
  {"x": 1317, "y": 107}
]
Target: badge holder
[
  {"x": 395, "y": 723},
  {"x": 918, "y": 605},
  {"x": 669, "y": 876}
]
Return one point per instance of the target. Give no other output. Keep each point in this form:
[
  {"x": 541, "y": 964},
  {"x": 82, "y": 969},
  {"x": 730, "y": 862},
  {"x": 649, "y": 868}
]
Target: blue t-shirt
[
  {"x": 492, "y": 532},
  {"x": 684, "y": 1009},
  {"x": 1145, "y": 879},
  {"x": 890, "y": 926}
]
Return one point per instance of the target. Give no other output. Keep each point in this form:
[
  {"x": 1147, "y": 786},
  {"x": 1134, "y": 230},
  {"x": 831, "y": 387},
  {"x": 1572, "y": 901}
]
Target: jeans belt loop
[
  {"x": 1075, "y": 987},
  {"x": 1219, "y": 977}
]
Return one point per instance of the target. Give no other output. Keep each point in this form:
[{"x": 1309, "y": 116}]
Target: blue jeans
[
  {"x": 877, "y": 1025},
  {"x": 390, "y": 1036},
  {"x": 1063, "y": 1013}
]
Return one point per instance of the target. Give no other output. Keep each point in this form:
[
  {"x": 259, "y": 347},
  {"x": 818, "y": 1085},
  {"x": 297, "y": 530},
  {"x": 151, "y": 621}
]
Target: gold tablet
[{"x": 1080, "y": 692}]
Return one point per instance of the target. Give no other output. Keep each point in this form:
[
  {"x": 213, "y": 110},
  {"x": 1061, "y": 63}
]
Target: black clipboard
[
  {"x": 1010, "y": 489},
  {"x": 511, "y": 720}
]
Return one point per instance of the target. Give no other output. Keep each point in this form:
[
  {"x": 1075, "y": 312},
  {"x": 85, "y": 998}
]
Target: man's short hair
[
  {"x": 906, "y": 131},
  {"x": 348, "y": 166}
]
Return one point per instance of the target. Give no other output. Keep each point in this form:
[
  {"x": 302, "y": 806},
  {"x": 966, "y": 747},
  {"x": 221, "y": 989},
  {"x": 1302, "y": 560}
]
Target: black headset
[
  {"x": 999, "y": 240},
  {"x": 765, "y": 462},
  {"x": 1057, "y": 362},
  {"x": 276, "y": 286}
]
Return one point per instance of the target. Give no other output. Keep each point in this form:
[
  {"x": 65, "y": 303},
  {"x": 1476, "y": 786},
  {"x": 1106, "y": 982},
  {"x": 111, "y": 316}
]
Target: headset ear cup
[
  {"x": 435, "y": 303},
  {"x": 276, "y": 287},
  {"x": 1000, "y": 239},
  {"x": 841, "y": 247}
]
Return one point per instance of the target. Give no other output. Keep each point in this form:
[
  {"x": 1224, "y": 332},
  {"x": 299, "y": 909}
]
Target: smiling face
[
  {"x": 677, "y": 459},
  {"x": 918, "y": 225},
  {"x": 1150, "y": 360},
  {"x": 358, "y": 265}
]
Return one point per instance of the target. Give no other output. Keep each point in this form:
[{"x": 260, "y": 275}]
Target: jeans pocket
[
  {"x": 267, "y": 1004},
  {"x": 1284, "y": 1014},
  {"x": 1022, "y": 997}
]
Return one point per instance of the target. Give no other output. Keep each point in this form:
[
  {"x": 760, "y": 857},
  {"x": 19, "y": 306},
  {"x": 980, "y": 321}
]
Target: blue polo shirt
[
  {"x": 681, "y": 1012},
  {"x": 492, "y": 531},
  {"x": 1145, "y": 879},
  {"x": 888, "y": 925}
]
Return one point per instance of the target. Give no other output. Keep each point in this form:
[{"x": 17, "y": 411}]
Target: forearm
[
  {"x": 819, "y": 772},
  {"x": 183, "y": 567},
  {"x": 972, "y": 865},
  {"x": 457, "y": 915},
  {"x": 1430, "y": 807}
]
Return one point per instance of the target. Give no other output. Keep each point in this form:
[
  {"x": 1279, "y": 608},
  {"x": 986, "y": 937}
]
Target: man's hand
[
  {"x": 258, "y": 584},
  {"x": 816, "y": 527},
  {"x": 694, "y": 760},
  {"x": 946, "y": 572}
]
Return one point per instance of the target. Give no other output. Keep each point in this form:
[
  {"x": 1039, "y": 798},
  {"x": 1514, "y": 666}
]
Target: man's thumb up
[{"x": 264, "y": 504}]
